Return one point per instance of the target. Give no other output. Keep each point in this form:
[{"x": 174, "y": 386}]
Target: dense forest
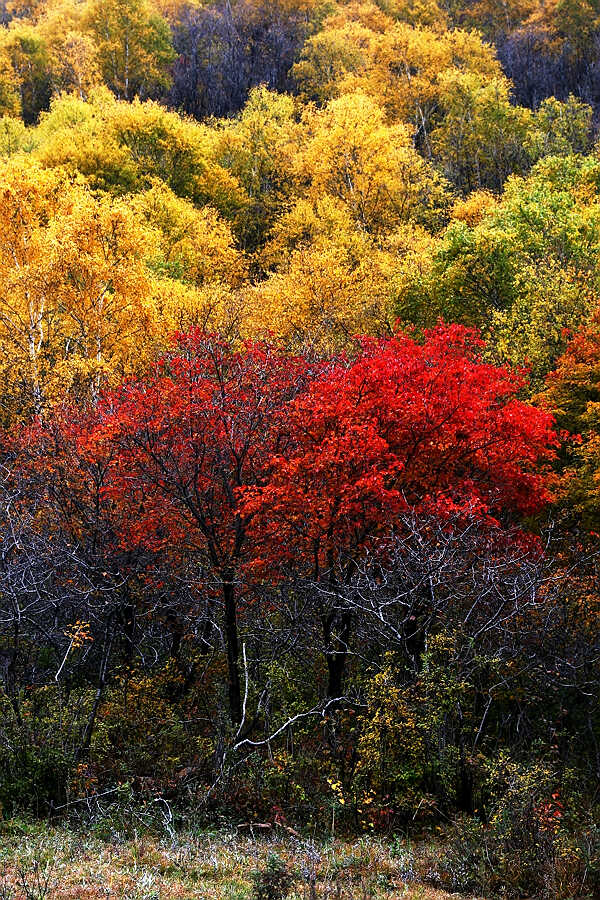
[{"x": 300, "y": 423}]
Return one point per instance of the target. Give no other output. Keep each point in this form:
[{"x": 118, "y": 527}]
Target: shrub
[
  {"x": 540, "y": 839},
  {"x": 274, "y": 882}
]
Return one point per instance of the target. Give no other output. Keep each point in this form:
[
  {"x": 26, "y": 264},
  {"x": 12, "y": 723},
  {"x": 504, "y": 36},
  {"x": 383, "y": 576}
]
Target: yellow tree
[
  {"x": 334, "y": 280},
  {"x": 80, "y": 137},
  {"x": 10, "y": 101},
  {"x": 133, "y": 43},
  {"x": 123, "y": 147},
  {"x": 328, "y": 56},
  {"x": 404, "y": 72},
  {"x": 213, "y": 308},
  {"x": 323, "y": 298},
  {"x": 482, "y": 138},
  {"x": 22, "y": 48},
  {"x": 570, "y": 24},
  {"x": 102, "y": 287},
  {"x": 318, "y": 220},
  {"x": 194, "y": 244},
  {"x": 354, "y": 156},
  {"x": 494, "y": 17},
  {"x": 29, "y": 314},
  {"x": 73, "y": 56},
  {"x": 74, "y": 288},
  {"x": 14, "y": 136},
  {"x": 258, "y": 150}
]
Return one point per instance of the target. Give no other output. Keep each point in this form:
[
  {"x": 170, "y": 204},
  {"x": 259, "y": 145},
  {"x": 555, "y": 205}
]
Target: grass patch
[{"x": 53, "y": 863}]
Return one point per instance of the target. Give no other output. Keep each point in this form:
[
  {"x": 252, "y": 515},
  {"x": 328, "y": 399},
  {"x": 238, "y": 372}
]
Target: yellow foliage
[
  {"x": 399, "y": 66},
  {"x": 328, "y": 56},
  {"x": 391, "y": 741},
  {"x": 10, "y": 101},
  {"x": 257, "y": 149},
  {"x": 194, "y": 244},
  {"x": 73, "y": 56},
  {"x": 133, "y": 44},
  {"x": 176, "y": 307},
  {"x": 325, "y": 297},
  {"x": 473, "y": 208},
  {"x": 317, "y": 221},
  {"x": 14, "y": 136},
  {"x": 121, "y": 147},
  {"x": 355, "y": 157},
  {"x": 417, "y": 12},
  {"x": 73, "y": 286},
  {"x": 371, "y": 15},
  {"x": 482, "y": 137}
]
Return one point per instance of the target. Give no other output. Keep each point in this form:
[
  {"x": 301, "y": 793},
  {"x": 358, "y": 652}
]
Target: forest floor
[{"x": 44, "y": 863}]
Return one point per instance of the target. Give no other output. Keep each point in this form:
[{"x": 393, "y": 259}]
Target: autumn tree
[
  {"x": 73, "y": 287},
  {"x": 23, "y": 48},
  {"x": 72, "y": 52},
  {"x": 572, "y": 393},
  {"x": 257, "y": 149},
  {"x": 481, "y": 139},
  {"x": 10, "y": 101},
  {"x": 332, "y": 280},
  {"x": 94, "y": 587},
  {"x": 186, "y": 440},
  {"x": 195, "y": 245},
  {"x": 400, "y": 66},
  {"x": 133, "y": 44},
  {"x": 427, "y": 428},
  {"x": 353, "y": 155},
  {"x": 522, "y": 264},
  {"x": 122, "y": 147}
]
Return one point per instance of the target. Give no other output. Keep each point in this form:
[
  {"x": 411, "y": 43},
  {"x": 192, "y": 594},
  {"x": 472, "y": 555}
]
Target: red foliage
[
  {"x": 427, "y": 426},
  {"x": 205, "y": 424},
  {"x": 249, "y": 457},
  {"x": 187, "y": 439}
]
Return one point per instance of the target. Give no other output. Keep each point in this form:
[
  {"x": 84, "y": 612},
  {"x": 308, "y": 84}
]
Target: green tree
[
  {"x": 26, "y": 52},
  {"x": 561, "y": 128},
  {"x": 134, "y": 46},
  {"x": 481, "y": 139}
]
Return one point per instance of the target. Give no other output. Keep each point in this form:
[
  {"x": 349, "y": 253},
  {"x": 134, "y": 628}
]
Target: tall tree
[
  {"x": 133, "y": 44},
  {"x": 426, "y": 428},
  {"x": 73, "y": 286},
  {"x": 186, "y": 440}
]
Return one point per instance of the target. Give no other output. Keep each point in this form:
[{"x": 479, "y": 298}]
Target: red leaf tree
[
  {"x": 251, "y": 462},
  {"x": 205, "y": 424},
  {"x": 427, "y": 427}
]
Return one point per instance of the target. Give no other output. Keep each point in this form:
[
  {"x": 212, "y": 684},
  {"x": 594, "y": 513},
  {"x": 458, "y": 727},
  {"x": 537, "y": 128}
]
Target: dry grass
[{"x": 39, "y": 864}]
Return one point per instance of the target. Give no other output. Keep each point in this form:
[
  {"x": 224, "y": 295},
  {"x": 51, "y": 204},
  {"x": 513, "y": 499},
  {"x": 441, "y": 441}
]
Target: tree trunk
[
  {"x": 231, "y": 640},
  {"x": 102, "y": 677},
  {"x": 336, "y": 652}
]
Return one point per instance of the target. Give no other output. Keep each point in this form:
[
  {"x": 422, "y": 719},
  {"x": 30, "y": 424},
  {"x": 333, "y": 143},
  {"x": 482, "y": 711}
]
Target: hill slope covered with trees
[{"x": 299, "y": 379}]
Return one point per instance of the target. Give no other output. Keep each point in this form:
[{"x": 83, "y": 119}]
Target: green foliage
[
  {"x": 27, "y": 54},
  {"x": 481, "y": 139},
  {"x": 383, "y": 166},
  {"x": 545, "y": 311},
  {"x": 36, "y": 761},
  {"x": 560, "y": 128},
  {"x": 133, "y": 44}
]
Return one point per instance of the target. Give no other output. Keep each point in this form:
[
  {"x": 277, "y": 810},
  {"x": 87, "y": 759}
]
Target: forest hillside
[{"x": 300, "y": 448}]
